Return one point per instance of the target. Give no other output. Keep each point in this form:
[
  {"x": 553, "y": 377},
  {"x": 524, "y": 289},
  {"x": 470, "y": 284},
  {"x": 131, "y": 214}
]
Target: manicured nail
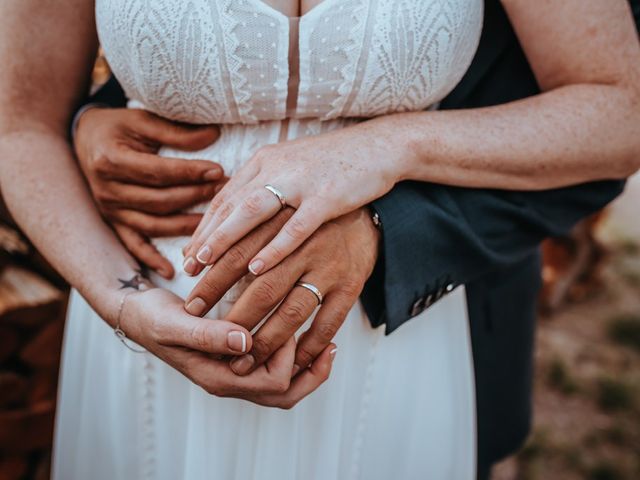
[
  {"x": 204, "y": 254},
  {"x": 189, "y": 266},
  {"x": 332, "y": 353},
  {"x": 295, "y": 370},
  {"x": 242, "y": 365},
  {"x": 256, "y": 267},
  {"x": 196, "y": 307},
  {"x": 237, "y": 341},
  {"x": 213, "y": 174}
]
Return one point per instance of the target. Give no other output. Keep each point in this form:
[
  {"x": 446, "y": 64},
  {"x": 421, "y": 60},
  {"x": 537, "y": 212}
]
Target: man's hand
[
  {"x": 156, "y": 320},
  {"x": 337, "y": 259},
  {"x": 141, "y": 194}
]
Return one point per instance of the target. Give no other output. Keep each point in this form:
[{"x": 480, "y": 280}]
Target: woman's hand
[
  {"x": 140, "y": 193},
  {"x": 156, "y": 320},
  {"x": 323, "y": 177},
  {"x": 337, "y": 259}
]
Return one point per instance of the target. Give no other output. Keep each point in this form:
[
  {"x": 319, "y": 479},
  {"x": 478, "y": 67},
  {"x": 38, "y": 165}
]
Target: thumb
[
  {"x": 181, "y": 136},
  {"x": 210, "y": 336}
]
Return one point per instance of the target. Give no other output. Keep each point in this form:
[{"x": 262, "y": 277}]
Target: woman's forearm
[
  {"x": 571, "y": 135},
  {"x": 46, "y": 195}
]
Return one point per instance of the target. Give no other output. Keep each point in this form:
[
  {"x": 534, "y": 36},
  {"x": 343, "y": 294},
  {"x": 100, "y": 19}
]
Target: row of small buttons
[{"x": 427, "y": 301}]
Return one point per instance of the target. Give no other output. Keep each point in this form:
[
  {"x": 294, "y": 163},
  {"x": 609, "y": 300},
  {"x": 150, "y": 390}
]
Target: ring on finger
[
  {"x": 313, "y": 289},
  {"x": 279, "y": 195}
]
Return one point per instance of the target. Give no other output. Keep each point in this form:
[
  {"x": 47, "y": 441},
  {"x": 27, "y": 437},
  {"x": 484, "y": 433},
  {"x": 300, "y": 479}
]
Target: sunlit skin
[
  {"x": 582, "y": 128},
  {"x": 47, "y": 51}
]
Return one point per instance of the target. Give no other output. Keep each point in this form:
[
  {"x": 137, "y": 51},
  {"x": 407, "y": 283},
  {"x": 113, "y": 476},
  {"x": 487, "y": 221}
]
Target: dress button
[{"x": 449, "y": 288}]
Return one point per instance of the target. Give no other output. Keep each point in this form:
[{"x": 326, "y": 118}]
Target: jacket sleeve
[
  {"x": 438, "y": 237},
  {"x": 110, "y": 94}
]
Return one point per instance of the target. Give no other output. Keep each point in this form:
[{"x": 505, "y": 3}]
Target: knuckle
[
  {"x": 102, "y": 164},
  {"x": 139, "y": 115},
  {"x": 225, "y": 211},
  {"x": 219, "y": 237},
  {"x": 261, "y": 347},
  {"x": 207, "y": 288},
  {"x": 286, "y": 404},
  {"x": 281, "y": 385},
  {"x": 293, "y": 313},
  {"x": 324, "y": 374},
  {"x": 327, "y": 331},
  {"x": 263, "y": 153},
  {"x": 266, "y": 293},
  {"x": 304, "y": 357},
  {"x": 252, "y": 205},
  {"x": 274, "y": 251},
  {"x": 150, "y": 227},
  {"x": 201, "y": 336},
  {"x": 216, "y": 203},
  {"x": 212, "y": 389},
  {"x": 351, "y": 288},
  {"x": 150, "y": 176},
  {"x": 296, "y": 228},
  {"x": 158, "y": 331},
  {"x": 103, "y": 195},
  {"x": 237, "y": 257}
]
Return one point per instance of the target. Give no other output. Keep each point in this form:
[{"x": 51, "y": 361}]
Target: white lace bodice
[{"x": 228, "y": 61}]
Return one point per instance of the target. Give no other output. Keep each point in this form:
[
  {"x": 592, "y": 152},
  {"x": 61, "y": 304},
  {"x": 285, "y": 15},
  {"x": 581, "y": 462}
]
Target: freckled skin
[{"x": 583, "y": 127}]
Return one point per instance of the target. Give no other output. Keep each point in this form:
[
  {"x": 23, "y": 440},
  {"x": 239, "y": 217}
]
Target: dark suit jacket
[{"x": 437, "y": 237}]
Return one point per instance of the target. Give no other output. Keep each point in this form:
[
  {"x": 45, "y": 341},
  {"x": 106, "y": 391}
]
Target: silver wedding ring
[
  {"x": 313, "y": 289},
  {"x": 279, "y": 195}
]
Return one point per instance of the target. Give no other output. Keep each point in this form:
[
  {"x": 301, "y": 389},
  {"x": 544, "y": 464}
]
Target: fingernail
[
  {"x": 256, "y": 267},
  {"x": 196, "y": 307},
  {"x": 204, "y": 254},
  {"x": 213, "y": 174},
  {"x": 242, "y": 365},
  {"x": 332, "y": 353},
  {"x": 189, "y": 266},
  {"x": 295, "y": 370},
  {"x": 237, "y": 341}
]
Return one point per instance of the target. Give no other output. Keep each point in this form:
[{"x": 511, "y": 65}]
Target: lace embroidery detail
[
  {"x": 226, "y": 61},
  {"x": 330, "y": 46},
  {"x": 418, "y": 48},
  {"x": 257, "y": 42},
  {"x": 166, "y": 55}
]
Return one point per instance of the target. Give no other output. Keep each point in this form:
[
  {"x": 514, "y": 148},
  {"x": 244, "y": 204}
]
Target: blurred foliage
[
  {"x": 559, "y": 378},
  {"x": 625, "y": 330},
  {"x": 615, "y": 395}
]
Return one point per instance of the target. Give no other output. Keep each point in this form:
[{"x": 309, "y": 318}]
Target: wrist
[
  {"x": 106, "y": 300},
  {"x": 77, "y": 118},
  {"x": 395, "y": 138},
  {"x": 365, "y": 236}
]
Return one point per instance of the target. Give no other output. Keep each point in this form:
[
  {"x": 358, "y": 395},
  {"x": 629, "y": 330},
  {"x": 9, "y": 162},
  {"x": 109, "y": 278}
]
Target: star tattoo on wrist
[{"x": 139, "y": 281}]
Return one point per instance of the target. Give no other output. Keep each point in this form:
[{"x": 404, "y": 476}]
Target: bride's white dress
[{"x": 400, "y": 406}]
